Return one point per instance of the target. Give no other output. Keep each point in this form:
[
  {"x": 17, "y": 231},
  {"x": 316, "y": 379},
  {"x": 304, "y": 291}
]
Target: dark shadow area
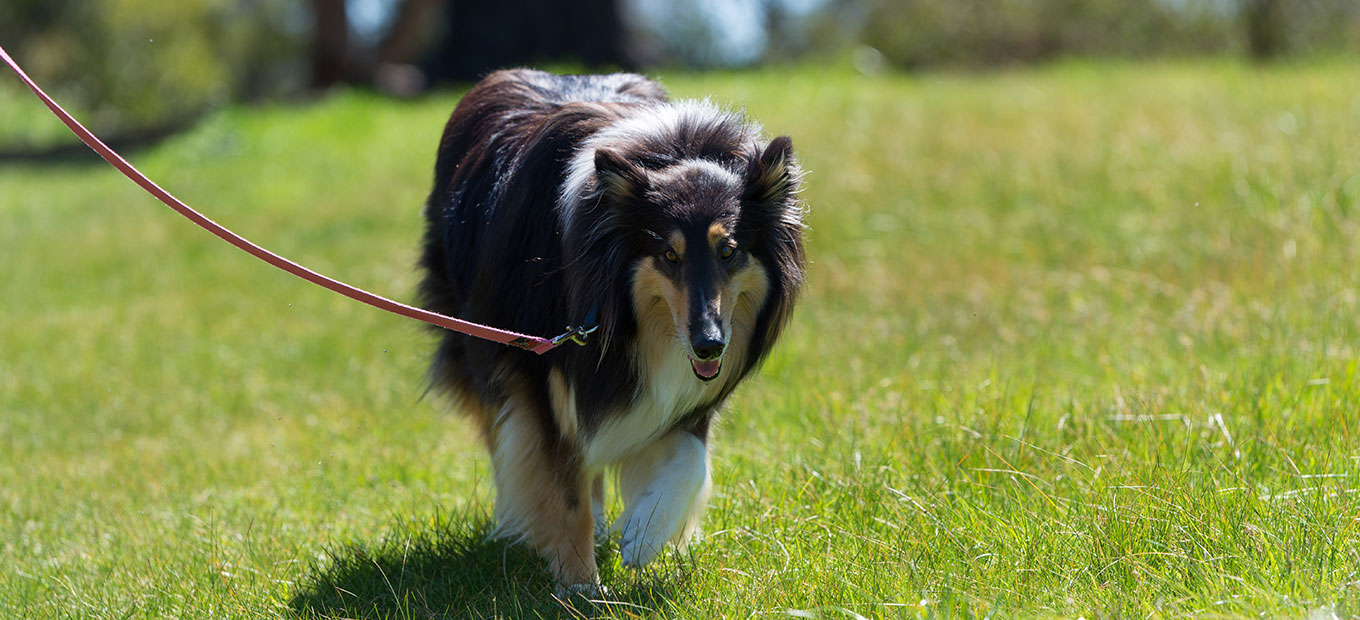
[{"x": 450, "y": 569}]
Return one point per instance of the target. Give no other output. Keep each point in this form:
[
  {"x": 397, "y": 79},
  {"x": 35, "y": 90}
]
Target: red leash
[{"x": 531, "y": 343}]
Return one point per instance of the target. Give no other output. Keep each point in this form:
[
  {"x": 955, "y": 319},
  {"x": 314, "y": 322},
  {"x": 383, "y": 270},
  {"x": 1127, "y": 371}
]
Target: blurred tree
[
  {"x": 331, "y": 61},
  {"x": 483, "y": 35},
  {"x": 410, "y": 32},
  {"x": 1265, "y": 22},
  {"x": 138, "y": 63},
  {"x": 462, "y": 40},
  {"x": 1277, "y": 28},
  {"x": 914, "y": 33},
  {"x": 927, "y": 33},
  {"x": 143, "y": 63}
]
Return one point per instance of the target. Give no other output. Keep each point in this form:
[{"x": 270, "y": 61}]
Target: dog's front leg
[
  {"x": 544, "y": 498},
  {"x": 665, "y": 487}
]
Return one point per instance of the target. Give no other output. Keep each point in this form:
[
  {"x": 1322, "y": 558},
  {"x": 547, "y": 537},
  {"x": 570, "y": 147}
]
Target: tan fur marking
[
  {"x": 716, "y": 233},
  {"x": 654, "y": 292},
  {"x": 677, "y": 242},
  {"x": 531, "y": 499},
  {"x": 748, "y": 287},
  {"x": 563, "y": 400},
  {"x": 775, "y": 180}
]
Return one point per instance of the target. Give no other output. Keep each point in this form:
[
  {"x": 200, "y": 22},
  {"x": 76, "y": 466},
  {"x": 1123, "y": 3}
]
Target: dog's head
[{"x": 716, "y": 244}]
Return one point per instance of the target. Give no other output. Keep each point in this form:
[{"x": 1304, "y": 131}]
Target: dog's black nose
[{"x": 707, "y": 349}]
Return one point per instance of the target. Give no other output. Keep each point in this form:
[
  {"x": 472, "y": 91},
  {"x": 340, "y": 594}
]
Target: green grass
[{"x": 1079, "y": 341}]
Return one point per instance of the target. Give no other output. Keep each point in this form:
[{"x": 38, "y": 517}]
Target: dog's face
[
  {"x": 702, "y": 275},
  {"x": 699, "y": 261}
]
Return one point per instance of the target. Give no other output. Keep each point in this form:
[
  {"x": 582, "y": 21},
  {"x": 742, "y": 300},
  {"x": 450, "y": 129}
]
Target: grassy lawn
[{"x": 1080, "y": 341}]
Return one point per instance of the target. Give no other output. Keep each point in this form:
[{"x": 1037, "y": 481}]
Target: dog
[{"x": 672, "y": 227}]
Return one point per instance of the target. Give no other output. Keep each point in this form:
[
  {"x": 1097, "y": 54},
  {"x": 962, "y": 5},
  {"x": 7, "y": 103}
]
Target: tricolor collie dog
[{"x": 562, "y": 200}]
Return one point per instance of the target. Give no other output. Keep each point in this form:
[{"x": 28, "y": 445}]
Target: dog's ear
[
  {"x": 619, "y": 178},
  {"x": 773, "y": 177}
]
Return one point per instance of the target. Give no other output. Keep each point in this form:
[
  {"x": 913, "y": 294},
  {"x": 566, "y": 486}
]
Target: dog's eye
[
  {"x": 671, "y": 257},
  {"x": 727, "y": 251}
]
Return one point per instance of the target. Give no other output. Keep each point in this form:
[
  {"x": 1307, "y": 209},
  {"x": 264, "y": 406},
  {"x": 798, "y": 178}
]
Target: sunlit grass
[{"x": 1078, "y": 341}]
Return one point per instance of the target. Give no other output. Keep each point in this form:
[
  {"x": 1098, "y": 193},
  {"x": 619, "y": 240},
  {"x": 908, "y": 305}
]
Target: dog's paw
[
  {"x": 582, "y": 591},
  {"x": 643, "y": 538}
]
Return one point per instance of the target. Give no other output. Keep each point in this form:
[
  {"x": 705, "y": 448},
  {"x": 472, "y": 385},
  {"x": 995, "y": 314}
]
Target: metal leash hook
[{"x": 580, "y": 335}]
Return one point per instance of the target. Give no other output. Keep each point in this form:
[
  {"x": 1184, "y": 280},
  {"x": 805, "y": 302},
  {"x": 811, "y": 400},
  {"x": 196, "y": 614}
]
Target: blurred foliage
[
  {"x": 923, "y": 33},
  {"x": 928, "y": 32},
  {"x": 132, "y": 65},
  {"x": 136, "y": 64}
]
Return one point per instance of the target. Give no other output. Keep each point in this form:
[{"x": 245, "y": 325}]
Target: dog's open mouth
[{"x": 706, "y": 371}]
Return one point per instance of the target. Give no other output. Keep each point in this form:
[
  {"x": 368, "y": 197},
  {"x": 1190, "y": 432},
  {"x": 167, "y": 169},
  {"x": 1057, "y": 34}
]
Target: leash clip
[{"x": 580, "y": 335}]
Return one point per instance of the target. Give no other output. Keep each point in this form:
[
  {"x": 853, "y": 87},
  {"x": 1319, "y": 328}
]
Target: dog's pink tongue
[{"x": 706, "y": 370}]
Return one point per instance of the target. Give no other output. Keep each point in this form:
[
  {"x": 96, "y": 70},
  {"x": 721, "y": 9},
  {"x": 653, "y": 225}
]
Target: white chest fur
[{"x": 670, "y": 391}]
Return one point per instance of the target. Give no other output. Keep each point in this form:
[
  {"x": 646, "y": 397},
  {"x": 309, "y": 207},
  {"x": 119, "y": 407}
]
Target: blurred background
[{"x": 140, "y": 69}]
